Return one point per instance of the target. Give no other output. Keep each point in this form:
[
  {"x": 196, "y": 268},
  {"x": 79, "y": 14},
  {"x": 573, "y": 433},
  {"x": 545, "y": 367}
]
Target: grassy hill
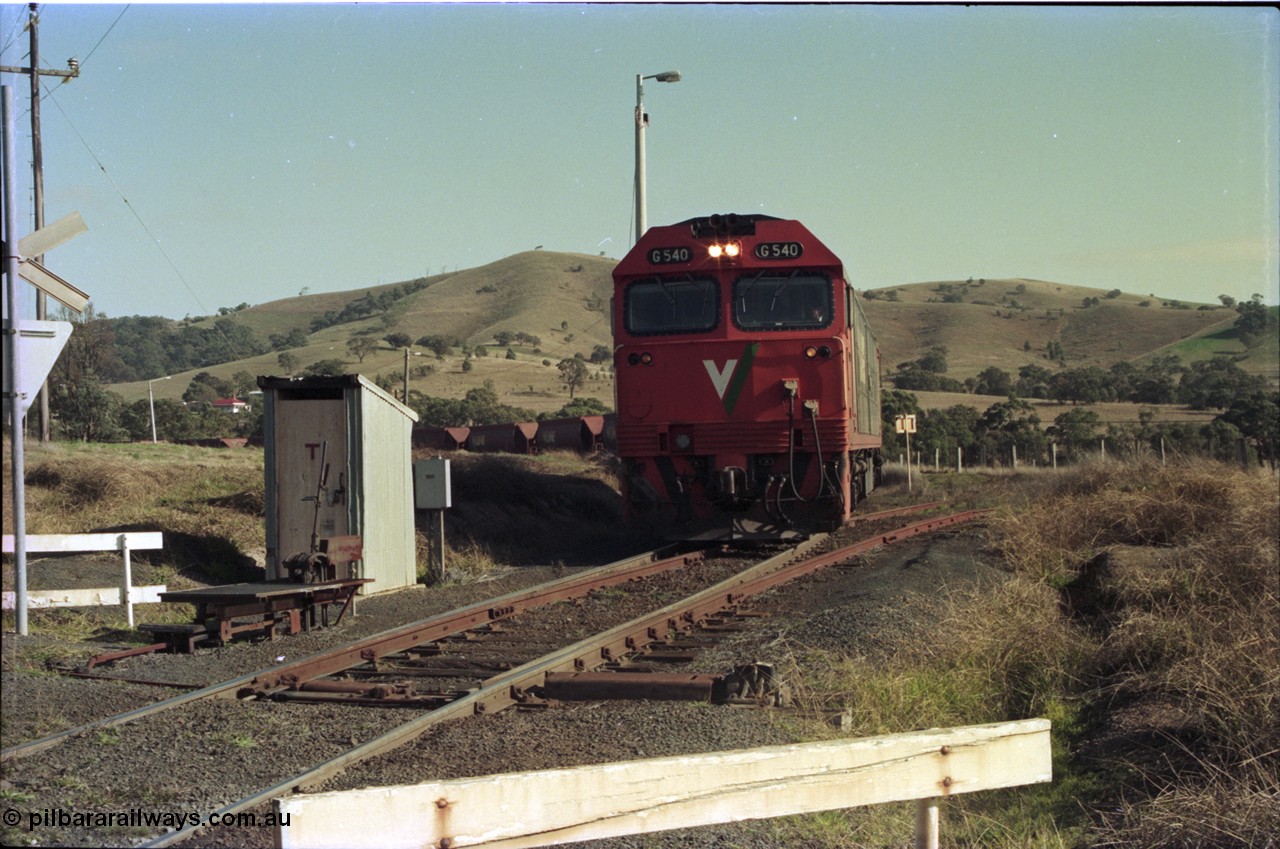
[
  {"x": 562, "y": 299},
  {"x": 1009, "y": 323}
]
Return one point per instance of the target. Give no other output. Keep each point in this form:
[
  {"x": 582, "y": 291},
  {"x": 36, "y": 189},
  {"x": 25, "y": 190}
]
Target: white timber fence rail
[
  {"x": 552, "y": 807},
  {"x": 125, "y": 594}
]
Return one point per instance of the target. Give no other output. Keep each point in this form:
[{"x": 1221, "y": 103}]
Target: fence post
[
  {"x": 927, "y": 823},
  {"x": 127, "y": 590}
]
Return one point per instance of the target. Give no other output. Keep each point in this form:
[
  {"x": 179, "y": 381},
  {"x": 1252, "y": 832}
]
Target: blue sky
[{"x": 223, "y": 154}]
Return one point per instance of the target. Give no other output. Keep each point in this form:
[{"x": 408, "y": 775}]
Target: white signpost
[
  {"x": 31, "y": 347},
  {"x": 906, "y": 424},
  {"x": 42, "y": 342}
]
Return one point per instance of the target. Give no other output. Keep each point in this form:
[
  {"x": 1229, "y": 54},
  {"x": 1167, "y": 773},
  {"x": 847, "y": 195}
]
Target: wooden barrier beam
[
  {"x": 69, "y": 543},
  {"x": 610, "y": 800},
  {"x": 40, "y": 599}
]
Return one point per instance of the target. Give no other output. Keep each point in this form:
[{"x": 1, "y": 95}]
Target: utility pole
[{"x": 37, "y": 168}]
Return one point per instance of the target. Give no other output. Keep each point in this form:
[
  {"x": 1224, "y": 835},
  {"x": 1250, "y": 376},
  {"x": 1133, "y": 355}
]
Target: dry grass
[
  {"x": 1172, "y": 573},
  {"x": 206, "y": 501}
]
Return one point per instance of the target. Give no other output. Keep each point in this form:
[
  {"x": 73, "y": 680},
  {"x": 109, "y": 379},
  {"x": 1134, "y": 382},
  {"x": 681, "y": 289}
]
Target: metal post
[
  {"x": 151, "y": 402},
  {"x": 926, "y": 824},
  {"x": 127, "y": 590},
  {"x": 642, "y": 120},
  {"x": 435, "y": 569},
  {"x": 13, "y": 352},
  {"x": 908, "y": 461},
  {"x": 406, "y": 378}
]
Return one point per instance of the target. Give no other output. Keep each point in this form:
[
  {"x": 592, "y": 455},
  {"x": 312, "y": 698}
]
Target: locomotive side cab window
[
  {"x": 771, "y": 301},
  {"x": 672, "y": 305}
]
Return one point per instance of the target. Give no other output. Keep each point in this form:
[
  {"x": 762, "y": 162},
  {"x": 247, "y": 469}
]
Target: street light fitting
[{"x": 666, "y": 77}]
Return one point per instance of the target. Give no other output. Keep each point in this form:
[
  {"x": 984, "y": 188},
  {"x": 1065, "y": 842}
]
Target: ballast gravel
[{"x": 200, "y": 757}]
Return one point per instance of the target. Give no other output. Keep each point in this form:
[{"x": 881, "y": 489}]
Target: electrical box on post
[{"x": 432, "y": 488}]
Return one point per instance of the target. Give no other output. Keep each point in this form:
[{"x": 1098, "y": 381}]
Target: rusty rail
[
  {"x": 397, "y": 639},
  {"x": 517, "y": 685}
]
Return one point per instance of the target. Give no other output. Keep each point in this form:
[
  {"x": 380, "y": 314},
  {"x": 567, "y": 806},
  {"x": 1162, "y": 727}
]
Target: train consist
[{"x": 748, "y": 396}]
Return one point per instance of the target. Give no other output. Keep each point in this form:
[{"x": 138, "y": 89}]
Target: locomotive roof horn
[{"x": 728, "y": 224}]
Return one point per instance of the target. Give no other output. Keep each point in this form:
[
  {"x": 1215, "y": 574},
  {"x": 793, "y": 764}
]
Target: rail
[
  {"x": 396, "y": 639},
  {"x": 521, "y": 684}
]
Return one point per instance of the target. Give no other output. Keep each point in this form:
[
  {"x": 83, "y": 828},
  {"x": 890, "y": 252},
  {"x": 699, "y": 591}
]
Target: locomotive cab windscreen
[{"x": 800, "y": 301}]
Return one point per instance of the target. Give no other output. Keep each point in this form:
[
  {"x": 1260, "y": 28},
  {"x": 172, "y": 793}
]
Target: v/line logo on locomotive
[
  {"x": 728, "y": 381},
  {"x": 788, "y": 439}
]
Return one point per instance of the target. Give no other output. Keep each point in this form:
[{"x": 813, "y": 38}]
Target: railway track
[
  {"x": 477, "y": 655},
  {"x": 388, "y": 642},
  {"x": 528, "y": 683}
]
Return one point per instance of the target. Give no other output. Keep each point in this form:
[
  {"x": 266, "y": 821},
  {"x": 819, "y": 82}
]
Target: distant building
[{"x": 231, "y": 405}]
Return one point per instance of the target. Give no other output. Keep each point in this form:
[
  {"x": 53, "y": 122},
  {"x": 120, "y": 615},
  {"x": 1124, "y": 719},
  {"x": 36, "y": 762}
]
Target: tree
[
  {"x": 1086, "y": 385},
  {"x": 601, "y": 354},
  {"x": 86, "y": 411},
  {"x": 1227, "y": 300},
  {"x": 1033, "y": 381},
  {"x": 935, "y": 360},
  {"x": 1216, "y": 383},
  {"x": 579, "y": 407},
  {"x": 1256, "y": 321},
  {"x": 1011, "y": 424},
  {"x": 243, "y": 383},
  {"x": 295, "y": 338},
  {"x": 993, "y": 381},
  {"x": 288, "y": 362},
  {"x": 438, "y": 344},
  {"x": 573, "y": 372},
  {"x": 1076, "y": 429},
  {"x": 361, "y": 346},
  {"x": 1257, "y": 417},
  {"x": 398, "y": 340},
  {"x": 326, "y": 368},
  {"x": 205, "y": 387}
]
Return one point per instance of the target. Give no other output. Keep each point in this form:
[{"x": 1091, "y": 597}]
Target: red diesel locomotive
[{"x": 748, "y": 391}]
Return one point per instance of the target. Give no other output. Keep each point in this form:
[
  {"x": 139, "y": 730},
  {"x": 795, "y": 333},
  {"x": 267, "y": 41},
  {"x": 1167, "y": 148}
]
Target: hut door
[{"x": 310, "y": 435}]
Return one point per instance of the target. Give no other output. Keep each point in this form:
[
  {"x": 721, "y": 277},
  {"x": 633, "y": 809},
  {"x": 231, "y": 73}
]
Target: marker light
[
  {"x": 810, "y": 352},
  {"x": 645, "y": 359}
]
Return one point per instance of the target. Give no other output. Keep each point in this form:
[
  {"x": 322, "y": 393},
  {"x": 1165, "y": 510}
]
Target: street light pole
[
  {"x": 151, "y": 400},
  {"x": 642, "y": 121}
]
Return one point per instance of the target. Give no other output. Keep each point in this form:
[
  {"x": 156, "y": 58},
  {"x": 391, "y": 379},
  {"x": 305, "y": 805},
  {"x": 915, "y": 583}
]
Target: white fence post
[
  {"x": 126, "y": 592},
  {"x": 927, "y": 823}
]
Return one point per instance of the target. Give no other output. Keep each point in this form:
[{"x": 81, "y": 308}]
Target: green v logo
[{"x": 729, "y": 379}]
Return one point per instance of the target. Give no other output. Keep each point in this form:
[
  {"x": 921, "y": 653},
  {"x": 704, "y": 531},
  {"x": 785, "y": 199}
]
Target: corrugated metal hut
[{"x": 362, "y": 436}]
